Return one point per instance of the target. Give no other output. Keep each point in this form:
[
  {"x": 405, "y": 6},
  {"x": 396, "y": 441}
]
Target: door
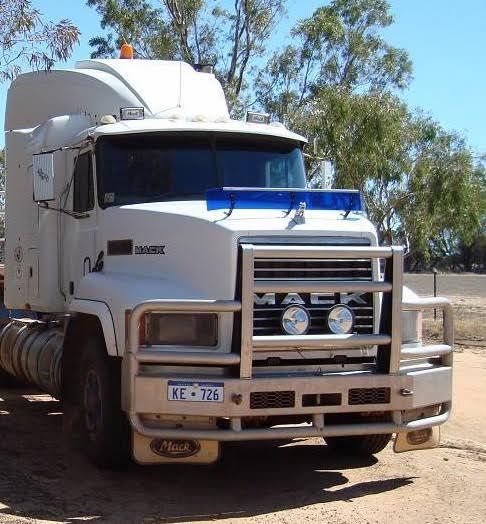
[{"x": 79, "y": 225}]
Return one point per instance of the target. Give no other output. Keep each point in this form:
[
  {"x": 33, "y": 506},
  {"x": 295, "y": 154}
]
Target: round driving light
[
  {"x": 295, "y": 320},
  {"x": 340, "y": 320}
]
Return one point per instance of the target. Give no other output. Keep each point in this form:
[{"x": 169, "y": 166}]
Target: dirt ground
[{"x": 294, "y": 482}]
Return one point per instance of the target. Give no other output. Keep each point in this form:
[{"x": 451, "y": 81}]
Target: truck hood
[
  {"x": 248, "y": 221},
  {"x": 185, "y": 243}
]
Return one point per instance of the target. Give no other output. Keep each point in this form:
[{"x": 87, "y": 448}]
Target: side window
[{"x": 83, "y": 199}]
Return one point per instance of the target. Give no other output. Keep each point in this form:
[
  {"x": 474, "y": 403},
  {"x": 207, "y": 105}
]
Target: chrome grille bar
[
  {"x": 313, "y": 252},
  {"x": 317, "y": 286}
]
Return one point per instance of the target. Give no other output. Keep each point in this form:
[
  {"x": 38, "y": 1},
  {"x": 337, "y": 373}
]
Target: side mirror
[{"x": 43, "y": 173}]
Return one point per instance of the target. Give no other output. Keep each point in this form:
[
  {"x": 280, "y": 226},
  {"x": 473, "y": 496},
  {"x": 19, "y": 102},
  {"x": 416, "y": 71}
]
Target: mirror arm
[{"x": 73, "y": 214}]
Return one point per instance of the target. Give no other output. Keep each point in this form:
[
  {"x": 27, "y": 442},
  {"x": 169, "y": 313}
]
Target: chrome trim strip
[{"x": 319, "y": 286}]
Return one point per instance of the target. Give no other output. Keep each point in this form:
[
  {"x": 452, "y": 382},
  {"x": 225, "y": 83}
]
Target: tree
[
  {"x": 230, "y": 39},
  {"x": 27, "y": 40},
  {"x": 2, "y": 192},
  {"x": 338, "y": 80},
  {"x": 421, "y": 182},
  {"x": 472, "y": 255},
  {"x": 340, "y": 47}
]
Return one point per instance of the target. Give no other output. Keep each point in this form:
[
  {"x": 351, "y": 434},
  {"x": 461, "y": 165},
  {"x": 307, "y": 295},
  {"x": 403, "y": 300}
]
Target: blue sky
[{"x": 446, "y": 41}]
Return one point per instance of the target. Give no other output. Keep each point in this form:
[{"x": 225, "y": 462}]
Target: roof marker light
[
  {"x": 131, "y": 113},
  {"x": 126, "y": 52},
  {"x": 257, "y": 118},
  {"x": 108, "y": 119}
]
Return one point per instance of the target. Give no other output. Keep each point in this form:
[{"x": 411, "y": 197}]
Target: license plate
[{"x": 195, "y": 391}]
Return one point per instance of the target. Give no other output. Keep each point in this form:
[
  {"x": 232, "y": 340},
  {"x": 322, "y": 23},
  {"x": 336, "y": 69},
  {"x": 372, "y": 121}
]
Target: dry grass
[
  {"x": 468, "y": 296},
  {"x": 468, "y": 331}
]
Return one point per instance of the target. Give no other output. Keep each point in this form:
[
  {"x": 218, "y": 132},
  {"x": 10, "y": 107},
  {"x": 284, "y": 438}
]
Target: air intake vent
[
  {"x": 368, "y": 396},
  {"x": 120, "y": 247},
  {"x": 272, "y": 399}
]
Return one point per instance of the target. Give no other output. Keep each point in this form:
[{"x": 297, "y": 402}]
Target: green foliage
[
  {"x": 421, "y": 183},
  {"x": 339, "y": 46},
  {"x": 27, "y": 40},
  {"x": 195, "y": 31}
]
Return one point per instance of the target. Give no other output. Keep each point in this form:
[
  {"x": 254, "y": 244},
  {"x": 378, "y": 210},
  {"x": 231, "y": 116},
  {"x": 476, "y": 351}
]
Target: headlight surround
[
  {"x": 340, "y": 319},
  {"x": 181, "y": 329},
  {"x": 295, "y": 320}
]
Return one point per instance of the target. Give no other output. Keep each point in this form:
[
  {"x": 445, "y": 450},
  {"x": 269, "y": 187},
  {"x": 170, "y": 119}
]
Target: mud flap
[
  {"x": 169, "y": 451},
  {"x": 413, "y": 440}
]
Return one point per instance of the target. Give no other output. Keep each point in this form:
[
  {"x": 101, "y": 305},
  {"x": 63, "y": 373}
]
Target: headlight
[
  {"x": 181, "y": 329},
  {"x": 295, "y": 320},
  {"x": 340, "y": 320}
]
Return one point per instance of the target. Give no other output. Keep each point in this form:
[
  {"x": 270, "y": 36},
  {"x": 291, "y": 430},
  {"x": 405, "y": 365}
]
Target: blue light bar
[{"x": 284, "y": 199}]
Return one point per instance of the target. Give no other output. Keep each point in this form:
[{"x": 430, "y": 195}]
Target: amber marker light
[{"x": 126, "y": 51}]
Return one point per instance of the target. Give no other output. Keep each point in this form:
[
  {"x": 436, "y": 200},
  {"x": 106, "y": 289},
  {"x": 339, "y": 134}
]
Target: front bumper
[{"x": 414, "y": 389}]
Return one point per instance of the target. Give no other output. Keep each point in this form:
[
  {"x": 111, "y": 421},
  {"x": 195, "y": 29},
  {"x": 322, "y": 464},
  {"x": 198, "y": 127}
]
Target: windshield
[{"x": 151, "y": 168}]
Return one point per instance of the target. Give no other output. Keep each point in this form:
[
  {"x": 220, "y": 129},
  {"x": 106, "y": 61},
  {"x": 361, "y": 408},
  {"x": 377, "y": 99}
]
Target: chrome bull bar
[
  {"x": 446, "y": 348},
  {"x": 389, "y": 338},
  {"x": 389, "y": 355},
  {"x": 317, "y": 429}
]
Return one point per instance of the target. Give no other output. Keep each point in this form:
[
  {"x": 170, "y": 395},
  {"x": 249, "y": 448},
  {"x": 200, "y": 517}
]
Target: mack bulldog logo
[
  {"x": 270, "y": 299},
  {"x": 175, "y": 448},
  {"x": 150, "y": 250}
]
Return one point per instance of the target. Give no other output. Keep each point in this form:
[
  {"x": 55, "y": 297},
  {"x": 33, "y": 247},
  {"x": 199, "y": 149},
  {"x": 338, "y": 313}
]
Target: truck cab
[{"x": 188, "y": 288}]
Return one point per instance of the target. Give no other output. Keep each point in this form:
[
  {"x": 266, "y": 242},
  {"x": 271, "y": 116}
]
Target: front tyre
[
  {"x": 361, "y": 445},
  {"x": 104, "y": 426}
]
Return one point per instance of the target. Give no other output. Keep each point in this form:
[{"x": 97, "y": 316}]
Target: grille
[
  {"x": 312, "y": 269},
  {"x": 369, "y": 396},
  {"x": 266, "y": 317},
  {"x": 272, "y": 399}
]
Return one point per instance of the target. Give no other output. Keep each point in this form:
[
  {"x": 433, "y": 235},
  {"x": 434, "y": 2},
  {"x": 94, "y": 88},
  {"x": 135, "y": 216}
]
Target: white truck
[{"x": 185, "y": 288}]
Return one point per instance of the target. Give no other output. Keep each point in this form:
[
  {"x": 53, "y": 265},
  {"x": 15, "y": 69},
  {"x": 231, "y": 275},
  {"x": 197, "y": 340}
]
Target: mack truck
[{"x": 182, "y": 286}]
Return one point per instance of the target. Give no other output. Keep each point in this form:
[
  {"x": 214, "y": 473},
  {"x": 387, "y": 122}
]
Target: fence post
[{"x": 434, "y": 272}]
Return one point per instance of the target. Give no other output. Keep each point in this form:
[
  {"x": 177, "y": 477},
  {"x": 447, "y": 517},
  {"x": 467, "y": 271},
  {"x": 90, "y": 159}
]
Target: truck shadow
[{"x": 40, "y": 479}]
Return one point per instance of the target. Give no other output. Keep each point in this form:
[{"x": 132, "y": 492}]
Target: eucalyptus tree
[
  {"x": 232, "y": 39},
  {"x": 421, "y": 182},
  {"x": 27, "y": 40},
  {"x": 337, "y": 80},
  {"x": 340, "y": 46}
]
